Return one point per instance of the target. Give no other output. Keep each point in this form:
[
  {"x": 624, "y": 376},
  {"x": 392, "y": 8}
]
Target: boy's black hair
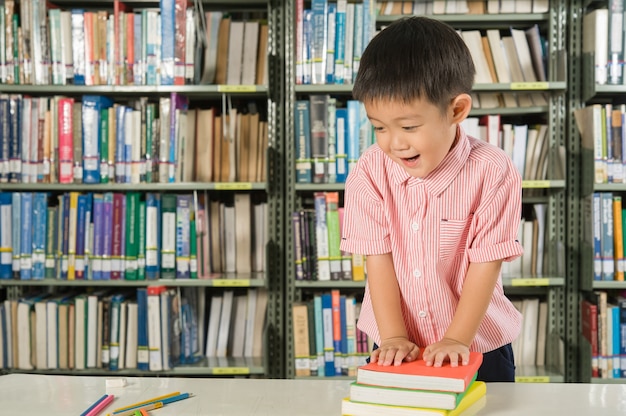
[{"x": 415, "y": 58}]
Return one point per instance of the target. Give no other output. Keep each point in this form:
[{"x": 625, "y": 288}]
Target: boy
[{"x": 435, "y": 211}]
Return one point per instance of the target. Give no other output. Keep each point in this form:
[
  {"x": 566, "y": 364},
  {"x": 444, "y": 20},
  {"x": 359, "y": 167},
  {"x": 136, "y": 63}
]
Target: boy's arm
[
  {"x": 385, "y": 295},
  {"x": 475, "y": 297}
]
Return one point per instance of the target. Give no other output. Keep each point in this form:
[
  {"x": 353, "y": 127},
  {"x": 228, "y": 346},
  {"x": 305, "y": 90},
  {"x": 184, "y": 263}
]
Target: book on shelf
[
  {"x": 417, "y": 375},
  {"x": 470, "y": 404}
]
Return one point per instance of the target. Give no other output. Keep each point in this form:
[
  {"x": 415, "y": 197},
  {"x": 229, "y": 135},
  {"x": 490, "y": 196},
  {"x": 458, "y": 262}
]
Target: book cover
[
  {"x": 471, "y": 404},
  {"x": 417, "y": 375}
]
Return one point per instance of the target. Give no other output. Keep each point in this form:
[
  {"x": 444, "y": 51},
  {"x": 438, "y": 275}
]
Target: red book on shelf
[{"x": 417, "y": 375}]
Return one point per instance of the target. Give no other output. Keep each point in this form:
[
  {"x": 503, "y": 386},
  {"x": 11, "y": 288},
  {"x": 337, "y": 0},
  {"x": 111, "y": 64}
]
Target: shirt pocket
[{"x": 452, "y": 237}]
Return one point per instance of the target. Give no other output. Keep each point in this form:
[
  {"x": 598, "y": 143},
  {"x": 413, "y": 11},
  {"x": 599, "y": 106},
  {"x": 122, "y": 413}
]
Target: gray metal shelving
[{"x": 555, "y": 193}]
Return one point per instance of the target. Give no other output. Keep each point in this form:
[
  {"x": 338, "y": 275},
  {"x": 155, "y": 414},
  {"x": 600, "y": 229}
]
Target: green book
[
  {"x": 141, "y": 255},
  {"x": 104, "y": 145},
  {"x": 193, "y": 250},
  {"x": 132, "y": 235}
]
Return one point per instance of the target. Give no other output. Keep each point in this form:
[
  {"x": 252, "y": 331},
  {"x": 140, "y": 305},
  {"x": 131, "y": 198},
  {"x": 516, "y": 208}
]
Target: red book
[
  {"x": 66, "y": 140},
  {"x": 417, "y": 375},
  {"x": 589, "y": 324}
]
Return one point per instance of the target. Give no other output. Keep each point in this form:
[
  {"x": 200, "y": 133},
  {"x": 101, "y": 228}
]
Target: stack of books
[{"x": 414, "y": 389}]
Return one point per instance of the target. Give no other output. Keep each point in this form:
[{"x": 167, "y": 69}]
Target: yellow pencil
[
  {"x": 150, "y": 401},
  {"x": 146, "y": 407}
]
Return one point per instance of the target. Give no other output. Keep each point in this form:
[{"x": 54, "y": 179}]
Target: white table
[{"x": 25, "y": 394}]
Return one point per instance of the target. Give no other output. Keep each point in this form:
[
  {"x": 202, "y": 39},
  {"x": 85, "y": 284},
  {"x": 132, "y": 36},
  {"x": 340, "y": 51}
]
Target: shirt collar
[{"x": 440, "y": 178}]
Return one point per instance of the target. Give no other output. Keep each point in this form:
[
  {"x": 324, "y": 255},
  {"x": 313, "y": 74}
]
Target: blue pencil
[{"x": 94, "y": 405}]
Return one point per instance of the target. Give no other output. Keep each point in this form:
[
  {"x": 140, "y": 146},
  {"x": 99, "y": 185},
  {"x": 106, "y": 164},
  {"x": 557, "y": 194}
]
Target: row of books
[
  {"x": 171, "y": 45},
  {"x": 606, "y": 215},
  {"x": 529, "y": 348},
  {"x": 316, "y": 238},
  {"x": 427, "y": 7},
  {"x": 532, "y": 237},
  {"x": 327, "y": 342},
  {"x": 527, "y": 145},
  {"x": 95, "y": 140},
  {"x": 516, "y": 55},
  {"x": 151, "y": 329},
  {"x": 603, "y": 321},
  {"x": 329, "y": 139},
  {"x": 603, "y": 39},
  {"x": 330, "y": 38},
  {"x": 112, "y": 236},
  {"x": 413, "y": 388},
  {"x": 603, "y": 132}
]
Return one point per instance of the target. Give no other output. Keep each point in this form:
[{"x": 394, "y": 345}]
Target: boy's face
[{"x": 417, "y": 136}]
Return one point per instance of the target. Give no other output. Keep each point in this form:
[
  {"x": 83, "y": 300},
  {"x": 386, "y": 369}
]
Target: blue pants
[{"x": 498, "y": 365}]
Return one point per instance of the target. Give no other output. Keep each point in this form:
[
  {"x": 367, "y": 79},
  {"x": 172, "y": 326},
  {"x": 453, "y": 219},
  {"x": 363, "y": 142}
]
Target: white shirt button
[
  {"x": 417, "y": 273},
  {"x": 415, "y": 226},
  {"x": 422, "y": 314}
]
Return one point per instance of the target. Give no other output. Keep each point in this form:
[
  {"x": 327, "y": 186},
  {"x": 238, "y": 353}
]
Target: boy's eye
[
  {"x": 377, "y": 128},
  {"x": 409, "y": 128}
]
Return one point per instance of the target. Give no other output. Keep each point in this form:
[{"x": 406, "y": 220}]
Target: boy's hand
[
  {"x": 394, "y": 351},
  {"x": 446, "y": 349}
]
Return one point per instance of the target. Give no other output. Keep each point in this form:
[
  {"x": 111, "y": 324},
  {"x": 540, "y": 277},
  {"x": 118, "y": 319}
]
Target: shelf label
[
  {"x": 532, "y": 379},
  {"x": 231, "y": 282},
  {"x": 531, "y": 281},
  {"x": 535, "y": 184},
  {"x": 236, "y": 88},
  {"x": 233, "y": 186},
  {"x": 230, "y": 371},
  {"x": 529, "y": 85}
]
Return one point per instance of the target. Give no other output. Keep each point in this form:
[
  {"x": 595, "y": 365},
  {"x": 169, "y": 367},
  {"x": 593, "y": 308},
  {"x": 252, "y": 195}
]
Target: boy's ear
[{"x": 460, "y": 107}]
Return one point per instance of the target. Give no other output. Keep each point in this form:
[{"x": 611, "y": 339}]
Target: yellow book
[
  {"x": 618, "y": 234},
  {"x": 473, "y": 401},
  {"x": 73, "y": 229}
]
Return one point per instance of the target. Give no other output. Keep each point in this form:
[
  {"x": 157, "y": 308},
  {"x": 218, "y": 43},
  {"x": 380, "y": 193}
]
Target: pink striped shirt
[{"x": 467, "y": 210}]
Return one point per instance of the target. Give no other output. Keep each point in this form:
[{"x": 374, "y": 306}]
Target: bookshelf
[
  {"x": 605, "y": 94},
  {"x": 264, "y": 187},
  {"x": 551, "y": 190}
]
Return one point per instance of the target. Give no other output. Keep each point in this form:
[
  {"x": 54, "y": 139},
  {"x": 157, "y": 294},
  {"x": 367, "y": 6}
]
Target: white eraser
[{"x": 116, "y": 382}]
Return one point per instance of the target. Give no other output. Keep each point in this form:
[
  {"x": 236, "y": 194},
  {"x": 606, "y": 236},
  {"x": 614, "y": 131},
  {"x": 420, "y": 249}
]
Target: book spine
[
  {"x": 340, "y": 40},
  {"x": 98, "y": 236},
  {"x": 78, "y": 46},
  {"x": 16, "y": 218},
  {"x": 168, "y": 236},
  {"x": 303, "y": 142},
  {"x": 91, "y": 140},
  {"x": 168, "y": 40},
  {"x": 6, "y": 250},
  {"x": 40, "y": 219},
  {"x": 329, "y": 348},
  {"x": 321, "y": 238},
  {"x": 26, "y": 238},
  {"x": 141, "y": 253},
  {"x": 114, "y": 330},
  {"x": 143, "y": 354},
  {"x": 107, "y": 237},
  {"x": 183, "y": 212},
  {"x": 334, "y": 238},
  {"x": 15, "y": 131},
  {"x": 66, "y": 147},
  {"x": 132, "y": 235},
  {"x": 608, "y": 251},
  {"x": 153, "y": 215},
  {"x": 319, "y": 136}
]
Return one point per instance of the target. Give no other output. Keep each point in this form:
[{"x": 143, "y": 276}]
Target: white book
[
  {"x": 542, "y": 328},
  {"x": 213, "y": 326},
  {"x": 80, "y": 317},
  {"x": 23, "y": 336},
  {"x": 541, "y": 217},
  {"x": 154, "y": 332},
  {"x": 250, "y": 317},
  {"x": 515, "y": 69},
  {"x": 596, "y": 40},
  {"x": 541, "y": 6},
  {"x": 8, "y": 323},
  {"x": 41, "y": 335},
  {"x": 130, "y": 322},
  {"x": 235, "y": 53},
  {"x": 243, "y": 233},
  {"x": 52, "y": 319},
  {"x": 230, "y": 242},
  {"x": 249, "y": 53},
  {"x": 260, "y": 236},
  {"x": 92, "y": 330},
  {"x": 165, "y": 325},
  {"x": 531, "y": 143},
  {"x": 530, "y": 312},
  {"x": 122, "y": 337},
  {"x": 473, "y": 40},
  {"x": 526, "y": 63},
  {"x": 237, "y": 334},
  {"x": 259, "y": 323},
  {"x": 99, "y": 330},
  {"x": 224, "y": 324}
]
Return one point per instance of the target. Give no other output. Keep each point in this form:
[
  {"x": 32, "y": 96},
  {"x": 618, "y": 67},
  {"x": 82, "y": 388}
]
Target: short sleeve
[
  {"x": 365, "y": 226},
  {"x": 496, "y": 221}
]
